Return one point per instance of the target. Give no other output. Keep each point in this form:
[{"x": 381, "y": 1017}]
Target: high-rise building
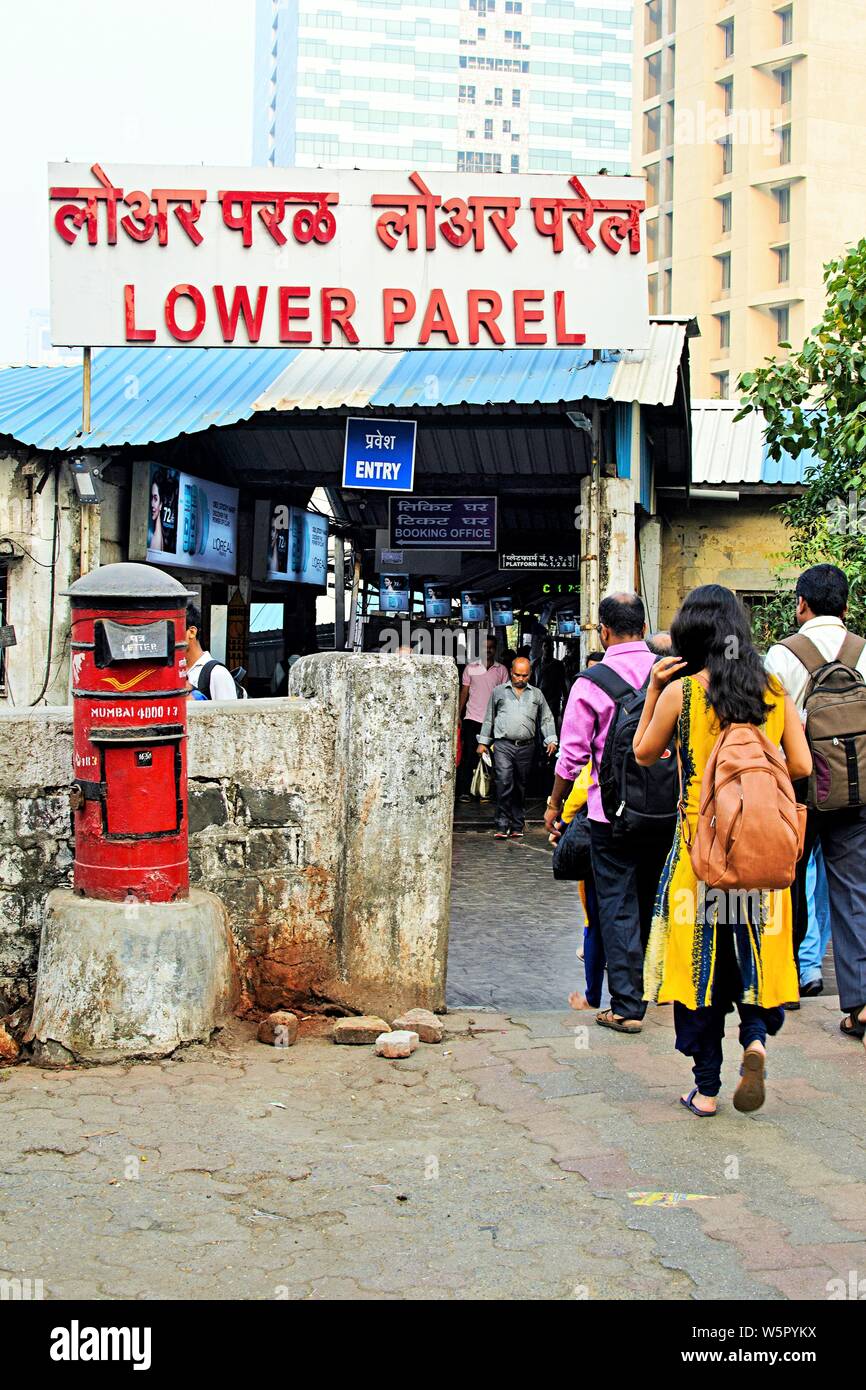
[
  {"x": 750, "y": 125},
  {"x": 510, "y": 86}
]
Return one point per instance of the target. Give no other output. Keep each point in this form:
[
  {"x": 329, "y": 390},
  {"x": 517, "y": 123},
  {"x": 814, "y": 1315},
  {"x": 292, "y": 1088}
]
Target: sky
[{"x": 164, "y": 82}]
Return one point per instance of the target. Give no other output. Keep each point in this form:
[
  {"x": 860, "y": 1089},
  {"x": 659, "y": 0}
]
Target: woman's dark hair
[{"x": 712, "y": 630}]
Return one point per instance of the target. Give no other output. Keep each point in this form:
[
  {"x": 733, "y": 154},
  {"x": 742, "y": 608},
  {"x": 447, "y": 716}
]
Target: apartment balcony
[
  {"x": 777, "y": 175},
  {"x": 781, "y": 57},
  {"x": 782, "y": 297}
]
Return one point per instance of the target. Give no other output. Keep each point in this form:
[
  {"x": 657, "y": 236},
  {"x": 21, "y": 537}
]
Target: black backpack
[
  {"x": 204, "y": 679},
  {"x": 634, "y": 799}
]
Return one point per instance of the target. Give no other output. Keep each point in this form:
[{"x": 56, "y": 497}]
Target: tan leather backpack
[{"x": 750, "y": 829}]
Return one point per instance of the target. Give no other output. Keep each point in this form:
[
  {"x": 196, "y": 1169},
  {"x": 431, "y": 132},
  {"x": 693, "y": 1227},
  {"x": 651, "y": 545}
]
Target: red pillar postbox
[{"x": 129, "y": 720}]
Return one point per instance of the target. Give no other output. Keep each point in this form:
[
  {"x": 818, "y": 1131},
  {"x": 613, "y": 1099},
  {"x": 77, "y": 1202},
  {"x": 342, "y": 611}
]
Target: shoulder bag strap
[
  {"x": 607, "y": 680},
  {"x": 204, "y": 678},
  {"x": 851, "y": 650},
  {"x": 805, "y": 651}
]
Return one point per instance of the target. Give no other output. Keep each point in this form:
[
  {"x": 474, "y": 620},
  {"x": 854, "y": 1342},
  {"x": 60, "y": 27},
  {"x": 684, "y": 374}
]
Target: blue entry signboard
[{"x": 379, "y": 454}]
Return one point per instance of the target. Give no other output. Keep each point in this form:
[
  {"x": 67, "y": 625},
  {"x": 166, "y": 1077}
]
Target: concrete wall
[
  {"x": 86, "y": 536},
  {"x": 323, "y": 821},
  {"x": 738, "y": 544}
]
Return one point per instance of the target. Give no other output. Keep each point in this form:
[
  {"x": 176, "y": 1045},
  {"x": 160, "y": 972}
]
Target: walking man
[
  {"x": 480, "y": 679},
  {"x": 627, "y": 870},
  {"x": 822, "y": 606},
  {"x": 514, "y": 713}
]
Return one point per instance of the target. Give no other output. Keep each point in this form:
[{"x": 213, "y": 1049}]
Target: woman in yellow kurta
[{"x": 710, "y": 951}]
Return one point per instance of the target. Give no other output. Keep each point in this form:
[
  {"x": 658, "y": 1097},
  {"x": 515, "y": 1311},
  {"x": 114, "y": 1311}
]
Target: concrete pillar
[
  {"x": 650, "y": 548},
  {"x": 616, "y": 536},
  {"x": 393, "y": 805}
]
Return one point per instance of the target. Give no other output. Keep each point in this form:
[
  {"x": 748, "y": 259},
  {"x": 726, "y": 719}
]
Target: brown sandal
[
  {"x": 608, "y": 1019},
  {"x": 750, "y": 1093}
]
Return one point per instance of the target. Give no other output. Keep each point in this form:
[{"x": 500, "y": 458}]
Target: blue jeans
[
  {"x": 593, "y": 949},
  {"x": 814, "y": 945}
]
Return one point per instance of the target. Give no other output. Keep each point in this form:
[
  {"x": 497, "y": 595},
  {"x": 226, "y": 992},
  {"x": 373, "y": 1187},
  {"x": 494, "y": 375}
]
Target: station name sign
[{"x": 227, "y": 257}]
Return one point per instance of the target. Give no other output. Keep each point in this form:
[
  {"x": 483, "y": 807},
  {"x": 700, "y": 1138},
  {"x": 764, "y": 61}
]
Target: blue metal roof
[
  {"x": 727, "y": 451},
  {"x": 148, "y": 395},
  {"x": 139, "y": 395}
]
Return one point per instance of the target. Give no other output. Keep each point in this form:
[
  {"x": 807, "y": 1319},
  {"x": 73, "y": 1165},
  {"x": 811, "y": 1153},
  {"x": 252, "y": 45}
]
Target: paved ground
[
  {"x": 514, "y": 930},
  {"x": 506, "y": 1163}
]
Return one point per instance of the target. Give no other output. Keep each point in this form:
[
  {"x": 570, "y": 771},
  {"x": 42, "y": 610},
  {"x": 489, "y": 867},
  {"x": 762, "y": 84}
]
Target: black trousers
[
  {"x": 512, "y": 764},
  {"x": 626, "y": 873},
  {"x": 843, "y": 842},
  {"x": 470, "y": 729},
  {"x": 700, "y": 1032}
]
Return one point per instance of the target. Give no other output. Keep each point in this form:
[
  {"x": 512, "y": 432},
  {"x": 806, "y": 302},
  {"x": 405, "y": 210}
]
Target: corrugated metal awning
[
  {"x": 151, "y": 395},
  {"x": 729, "y": 453}
]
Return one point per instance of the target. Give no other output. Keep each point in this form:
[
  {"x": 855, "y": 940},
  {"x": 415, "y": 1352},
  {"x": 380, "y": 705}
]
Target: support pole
[
  {"x": 590, "y": 580},
  {"x": 353, "y": 616},
  {"x": 85, "y": 392},
  {"x": 339, "y": 595}
]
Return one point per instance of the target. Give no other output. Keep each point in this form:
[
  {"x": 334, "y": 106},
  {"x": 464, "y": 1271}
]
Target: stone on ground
[
  {"x": 359, "y": 1032},
  {"x": 429, "y": 1028},
  {"x": 279, "y": 1029},
  {"x": 401, "y": 1043}
]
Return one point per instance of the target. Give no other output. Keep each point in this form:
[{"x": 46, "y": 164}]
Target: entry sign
[{"x": 379, "y": 454}]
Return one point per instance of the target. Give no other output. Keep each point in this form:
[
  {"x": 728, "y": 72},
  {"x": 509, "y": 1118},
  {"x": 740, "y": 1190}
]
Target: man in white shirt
[
  {"x": 220, "y": 684},
  {"x": 822, "y": 606}
]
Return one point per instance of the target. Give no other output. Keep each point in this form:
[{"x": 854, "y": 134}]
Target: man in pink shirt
[
  {"x": 626, "y": 871},
  {"x": 480, "y": 679}
]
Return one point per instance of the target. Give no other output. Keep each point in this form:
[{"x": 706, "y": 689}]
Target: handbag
[
  {"x": 481, "y": 781},
  {"x": 572, "y": 861}
]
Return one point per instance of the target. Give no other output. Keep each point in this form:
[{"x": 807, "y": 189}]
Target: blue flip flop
[{"x": 689, "y": 1105}]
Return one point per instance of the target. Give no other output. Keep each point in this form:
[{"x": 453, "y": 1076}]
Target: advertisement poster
[
  {"x": 502, "y": 611},
  {"x": 566, "y": 623},
  {"x": 394, "y": 593},
  {"x": 297, "y": 546},
  {"x": 192, "y": 524},
  {"x": 473, "y": 606},
  {"x": 437, "y": 600}
]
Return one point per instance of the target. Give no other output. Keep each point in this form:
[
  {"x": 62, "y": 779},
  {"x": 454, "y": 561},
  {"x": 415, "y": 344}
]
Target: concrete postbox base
[{"x": 131, "y": 979}]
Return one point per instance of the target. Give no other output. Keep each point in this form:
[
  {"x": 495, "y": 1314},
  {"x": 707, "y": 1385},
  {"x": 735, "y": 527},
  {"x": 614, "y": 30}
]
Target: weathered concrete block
[
  {"x": 270, "y": 808},
  {"x": 19, "y": 951},
  {"x": 115, "y": 983},
  {"x": 37, "y": 750},
  {"x": 207, "y": 806},
  {"x": 272, "y": 850},
  {"x": 280, "y": 1029},
  {"x": 43, "y": 816},
  {"x": 359, "y": 1032},
  {"x": 421, "y": 1021},
  {"x": 396, "y": 1044},
  {"x": 394, "y": 772}
]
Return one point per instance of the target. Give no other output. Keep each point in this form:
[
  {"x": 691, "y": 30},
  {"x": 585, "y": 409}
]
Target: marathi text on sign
[{"x": 262, "y": 257}]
